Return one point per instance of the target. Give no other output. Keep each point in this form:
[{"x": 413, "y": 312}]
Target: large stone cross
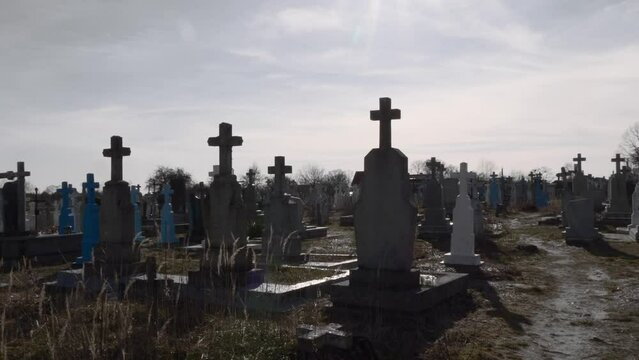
[
  {"x": 279, "y": 170},
  {"x": 226, "y": 141},
  {"x": 384, "y": 115},
  {"x": 20, "y": 175},
  {"x": 90, "y": 186},
  {"x": 579, "y": 160},
  {"x": 116, "y": 152},
  {"x": 617, "y": 160},
  {"x": 433, "y": 165}
]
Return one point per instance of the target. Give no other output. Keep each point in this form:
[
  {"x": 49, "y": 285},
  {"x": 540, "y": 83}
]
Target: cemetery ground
[{"x": 535, "y": 298}]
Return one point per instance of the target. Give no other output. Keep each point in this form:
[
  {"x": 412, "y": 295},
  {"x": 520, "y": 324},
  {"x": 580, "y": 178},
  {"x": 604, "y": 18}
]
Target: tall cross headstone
[
  {"x": 116, "y": 152},
  {"x": 280, "y": 169},
  {"x": 579, "y": 159},
  {"x": 21, "y": 194},
  {"x": 226, "y": 141},
  {"x": 617, "y": 160},
  {"x": 65, "y": 222},
  {"x": 384, "y": 115}
]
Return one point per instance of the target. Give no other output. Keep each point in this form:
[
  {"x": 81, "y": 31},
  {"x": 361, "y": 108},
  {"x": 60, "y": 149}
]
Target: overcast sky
[{"x": 521, "y": 84}]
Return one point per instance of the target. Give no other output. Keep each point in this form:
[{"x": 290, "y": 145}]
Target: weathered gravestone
[
  {"x": 115, "y": 255},
  {"x": 197, "y": 198},
  {"x": 385, "y": 220},
  {"x": 451, "y": 190},
  {"x": 226, "y": 261},
  {"x": 435, "y": 224},
  {"x": 66, "y": 221},
  {"x": 619, "y": 208},
  {"x": 167, "y": 222},
  {"x": 494, "y": 191},
  {"x": 91, "y": 223},
  {"x": 580, "y": 214},
  {"x": 281, "y": 241},
  {"x": 462, "y": 243},
  {"x": 14, "y": 201}
]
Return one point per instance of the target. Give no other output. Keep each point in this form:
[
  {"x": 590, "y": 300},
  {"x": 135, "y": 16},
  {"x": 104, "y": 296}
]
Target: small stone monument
[
  {"x": 462, "y": 243},
  {"x": 580, "y": 215},
  {"x": 91, "y": 220},
  {"x": 66, "y": 221},
  {"x": 167, "y": 223},
  {"x": 435, "y": 224},
  {"x": 579, "y": 183},
  {"x": 281, "y": 241},
  {"x": 494, "y": 191}
]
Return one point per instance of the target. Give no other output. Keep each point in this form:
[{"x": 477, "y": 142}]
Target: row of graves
[
  {"x": 589, "y": 203},
  {"x": 233, "y": 268}
]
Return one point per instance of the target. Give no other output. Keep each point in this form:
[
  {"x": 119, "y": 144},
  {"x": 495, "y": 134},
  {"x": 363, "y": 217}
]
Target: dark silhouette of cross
[
  {"x": 279, "y": 170},
  {"x": 433, "y": 165},
  {"x": 384, "y": 115},
  {"x": 617, "y": 160},
  {"x": 226, "y": 141},
  {"x": 116, "y": 153},
  {"x": 90, "y": 186},
  {"x": 579, "y": 160}
]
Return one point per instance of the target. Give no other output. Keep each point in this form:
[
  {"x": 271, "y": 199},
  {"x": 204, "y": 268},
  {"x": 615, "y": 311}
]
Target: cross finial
[
  {"x": 90, "y": 186},
  {"x": 563, "y": 174},
  {"x": 116, "y": 152},
  {"x": 385, "y": 114},
  {"x": 20, "y": 174},
  {"x": 618, "y": 160},
  {"x": 579, "y": 160},
  {"x": 226, "y": 141},
  {"x": 433, "y": 165},
  {"x": 494, "y": 176},
  {"x": 279, "y": 170}
]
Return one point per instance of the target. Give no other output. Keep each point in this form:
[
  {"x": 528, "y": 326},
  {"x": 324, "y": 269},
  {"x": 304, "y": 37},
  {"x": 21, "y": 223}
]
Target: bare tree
[
  {"x": 485, "y": 168},
  {"x": 418, "y": 167},
  {"x": 310, "y": 175},
  {"x": 630, "y": 144}
]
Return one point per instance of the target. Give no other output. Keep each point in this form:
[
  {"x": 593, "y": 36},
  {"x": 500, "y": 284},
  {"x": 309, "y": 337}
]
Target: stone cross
[
  {"x": 617, "y": 160},
  {"x": 433, "y": 165},
  {"x": 216, "y": 171},
  {"x": 279, "y": 170},
  {"x": 579, "y": 160},
  {"x": 494, "y": 176},
  {"x": 463, "y": 178},
  {"x": 116, "y": 153},
  {"x": 226, "y": 141},
  {"x": 563, "y": 174},
  {"x": 384, "y": 115},
  {"x": 20, "y": 175},
  {"x": 90, "y": 186}
]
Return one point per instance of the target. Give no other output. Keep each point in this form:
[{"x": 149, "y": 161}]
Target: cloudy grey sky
[{"x": 522, "y": 84}]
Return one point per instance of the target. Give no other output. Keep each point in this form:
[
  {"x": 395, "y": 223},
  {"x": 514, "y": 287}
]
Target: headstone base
[
  {"x": 578, "y": 239},
  {"x": 209, "y": 279},
  {"x": 432, "y": 290},
  {"x": 434, "y": 231},
  {"x": 347, "y": 220},
  {"x": 616, "y": 219},
  {"x": 633, "y": 232},
  {"x": 467, "y": 260}
]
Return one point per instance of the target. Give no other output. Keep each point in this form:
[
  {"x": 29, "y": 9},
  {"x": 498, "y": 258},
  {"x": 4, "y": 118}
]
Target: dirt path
[{"x": 589, "y": 314}]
